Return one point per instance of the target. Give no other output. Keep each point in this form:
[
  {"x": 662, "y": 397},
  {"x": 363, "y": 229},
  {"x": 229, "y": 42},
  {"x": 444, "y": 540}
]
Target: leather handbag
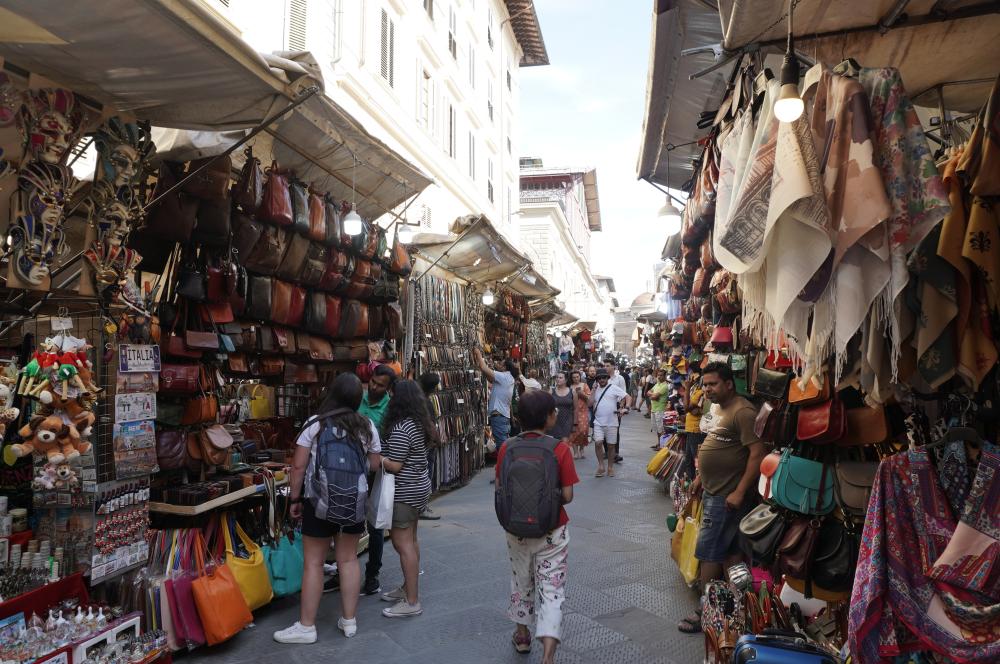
[
  {"x": 865, "y": 426},
  {"x": 246, "y": 233},
  {"x": 180, "y": 378},
  {"x": 250, "y": 571},
  {"x": 376, "y": 322},
  {"x": 213, "y": 222},
  {"x": 217, "y": 312},
  {"x": 295, "y": 256},
  {"x": 304, "y": 343},
  {"x": 249, "y": 188},
  {"x": 331, "y": 323},
  {"x": 172, "y": 217},
  {"x": 259, "y": 304},
  {"x": 237, "y": 363},
  {"x": 238, "y": 298},
  {"x": 169, "y": 413},
  {"x": 276, "y": 201},
  {"x": 726, "y": 292},
  {"x": 822, "y": 423},
  {"x": 287, "y": 303},
  {"x": 198, "y": 340},
  {"x": 363, "y": 272},
  {"x": 200, "y": 409},
  {"x": 298, "y": 373},
  {"x": 816, "y": 390},
  {"x": 399, "y": 261},
  {"x": 212, "y": 183},
  {"x": 315, "y": 319},
  {"x": 353, "y": 319},
  {"x": 393, "y": 321},
  {"x": 300, "y": 206},
  {"x": 700, "y": 287},
  {"x": 334, "y": 223},
  {"x": 855, "y": 480},
  {"x": 284, "y": 560},
  {"x": 361, "y": 244},
  {"x": 770, "y": 384},
  {"x": 266, "y": 341},
  {"x": 191, "y": 281},
  {"x": 171, "y": 449},
  {"x": 284, "y": 340},
  {"x": 314, "y": 266},
  {"x": 267, "y": 253},
  {"x": 763, "y": 528},
  {"x": 317, "y": 218},
  {"x": 272, "y": 366},
  {"x": 221, "y": 605},
  {"x": 333, "y": 276},
  {"x": 802, "y": 485},
  {"x": 320, "y": 349},
  {"x": 795, "y": 553},
  {"x": 835, "y": 556},
  {"x": 766, "y": 422},
  {"x": 352, "y": 350},
  {"x": 215, "y": 442}
]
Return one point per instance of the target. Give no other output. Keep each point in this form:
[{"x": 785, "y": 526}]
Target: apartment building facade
[{"x": 437, "y": 80}]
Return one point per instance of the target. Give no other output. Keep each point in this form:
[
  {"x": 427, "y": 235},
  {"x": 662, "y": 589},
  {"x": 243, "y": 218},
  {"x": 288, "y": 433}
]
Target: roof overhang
[
  {"x": 524, "y": 22},
  {"x": 947, "y": 46},
  {"x": 176, "y": 64},
  {"x": 591, "y": 199}
]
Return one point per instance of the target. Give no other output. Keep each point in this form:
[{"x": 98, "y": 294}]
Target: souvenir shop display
[
  {"x": 506, "y": 325},
  {"x": 538, "y": 356},
  {"x": 882, "y": 430}
]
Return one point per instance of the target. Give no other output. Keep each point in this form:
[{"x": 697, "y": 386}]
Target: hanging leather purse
[
  {"x": 213, "y": 182},
  {"x": 217, "y": 312},
  {"x": 376, "y": 322},
  {"x": 333, "y": 275},
  {"x": 259, "y": 305},
  {"x": 835, "y": 556},
  {"x": 802, "y": 485},
  {"x": 315, "y": 319},
  {"x": 353, "y": 350},
  {"x": 350, "y": 319},
  {"x": 700, "y": 287},
  {"x": 172, "y": 217},
  {"x": 381, "y": 246},
  {"x": 238, "y": 298},
  {"x": 726, "y": 292},
  {"x": 266, "y": 255},
  {"x": 200, "y": 409},
  {"x": 334, "y": 225},
  {"x": 331, "y": 322},
  {"x": 213, "y": 222},
  {"x": 817, "y": 390},
  {"x": 314, "y": 266},
  {"x": 284, "y": 340},
  {"x": 237, "y": 363},
  {"x": 766, "y": 423},
  {"x": 769, "y": 384},
  {"x": 276, "y": 202},
  {"x": 300, "y": 206},
  {"x": 287, "y": 303},
  {"x": 191, "y": 281},
  {"x": 399, "y": 262},
  {"x": 171, "y": 449},
  {"x": 272, "y": 366},
  {"x": 317, "y": 217},
  {"x": 865, "y": 426},
  {"x": 246, "y": 233},
  {"x": 249, "y": 188},
  {"x": 320, "y": 350},
  {"x": 795, "y": 553},
  {"x": 295, "y": 256},
  {"x": 265, "y": 340},
  {"x": 855, "y": 480},
  {"x": 180, "y": 378},
  {"x": 215, "y": 442},
  {"x": 823, "y": 423},
  {"x": 206, "y": 342},
  {"x": 393, "y": 321},
  {"x": 763, "y": 528}
]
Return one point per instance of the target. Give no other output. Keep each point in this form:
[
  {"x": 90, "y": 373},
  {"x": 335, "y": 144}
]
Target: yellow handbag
[
  {"x": 689, "y": 538},
  {"x": 657, "y": 461},
  {"x": 261, "y": 406},
  {"x": 251, "y": 573}
]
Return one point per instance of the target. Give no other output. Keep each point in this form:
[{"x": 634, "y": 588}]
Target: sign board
[
  {"x": 135, "y": 406},
  {"x": 132, "y": 359}
]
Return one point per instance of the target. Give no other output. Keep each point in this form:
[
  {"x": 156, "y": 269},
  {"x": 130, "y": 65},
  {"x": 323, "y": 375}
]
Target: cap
[{"x": 603, "y": 373}]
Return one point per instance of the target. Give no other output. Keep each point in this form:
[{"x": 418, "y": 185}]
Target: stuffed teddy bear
[
  {"x": 45, "y": 436},
  {"x": 46, "y": 478},
  {"x": 8, "y": 414},
  {"x": 66, "y": 477},
  {"x": 75, "y": 412}
]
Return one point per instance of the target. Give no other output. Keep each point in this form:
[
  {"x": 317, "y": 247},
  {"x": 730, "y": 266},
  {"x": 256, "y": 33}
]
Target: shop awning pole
[
  {"x": 451, "y": 246},
  {"x": 264, "y": 124}
]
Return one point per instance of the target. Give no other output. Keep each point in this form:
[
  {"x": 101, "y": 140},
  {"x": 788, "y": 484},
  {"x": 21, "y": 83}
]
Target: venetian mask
[
  {"x": 50, "y": 122},
  {"x": 10, "y": 100},
  {"x": 37, "y": 234},
  {"x": 123, "y": 149},
  {"x": 112, "y": 217}
]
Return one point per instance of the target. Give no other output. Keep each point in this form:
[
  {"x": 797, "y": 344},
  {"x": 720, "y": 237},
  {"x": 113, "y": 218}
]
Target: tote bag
[
  {"x": 685, "y": 538},
  {"x": 251, "y": 572},
  {"x": 183, "y": 607},
  {"x": 221, "y": 606},
  {"x": 284, "y": 561},
  {"x": 380, "y": 500}
]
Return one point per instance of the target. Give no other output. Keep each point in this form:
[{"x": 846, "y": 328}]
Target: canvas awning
[
  {"x": 174, "y": 63},
  {"x": 936, "y": 44},
  {"x": 476, "y": 252}
]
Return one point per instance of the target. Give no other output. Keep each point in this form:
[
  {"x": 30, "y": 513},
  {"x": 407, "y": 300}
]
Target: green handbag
[
  {"x": 738, "y": 364},
  {"x": 802, "y": 485},
  {"x": 169, "y": 413}
]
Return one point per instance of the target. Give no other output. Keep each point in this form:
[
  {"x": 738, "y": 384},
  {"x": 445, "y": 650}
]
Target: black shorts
[{"x": 312, "y": 526}]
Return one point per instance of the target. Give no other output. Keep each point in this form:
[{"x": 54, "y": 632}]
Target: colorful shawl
[
  {"x": 907, "y": 595},
  {"x": 935, "y": 303}
]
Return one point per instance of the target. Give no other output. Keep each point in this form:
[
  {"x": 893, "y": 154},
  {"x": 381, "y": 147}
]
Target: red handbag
[
  {"x": 276, "y": 203},
  {"x": 823, "y": 423},
  {"x": 180, "y": 378}
]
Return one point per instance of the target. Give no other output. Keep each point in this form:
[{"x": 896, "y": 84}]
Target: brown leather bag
[
  {"x": 216, "y": 442},
  {"x": 865, "y": 426},
  {"x": 246, "y": 233},
  {"x": 353, "y": 350},
  {"x": 295, "y": 256},
  {"x": 353, "y": 319},
  {"x": 276, "y": 202},
  {"x": 200, "y": 409},
  {"x": 333, "y": 277},
  {"x": 334, "y": 225},
  {"x": 314, "y": 266},
  {"x": 237, "y": 363},
  {"x": 815, "y": 391},
  {"x": 197, "y": 340},
  {"x": 284, "y": 340},
  {"x": 331, "y": 324},
  {"x": 795, "y": 553},
  {"x": 213, "y": 182},
  {"x": 315, "y": 318},
  {"x": 272, "y": 366},
  {"x": 171, "y": 449},
  {"x": 298, "y": 373},
  {"x": 321, "y": 350},
  {"x": 249, "y": 188},
  {"x": 317, "y": 217},
  {"x": 287, "y": 303},
  {"x": 172, "y": 217},
  {"x": 180, "y": 378},
  {"x": 399, "y": 261},
  {"x": 393, "y": 321},
  {"x": 376, "y": 322},
  {"x": 266, "y": 255}
]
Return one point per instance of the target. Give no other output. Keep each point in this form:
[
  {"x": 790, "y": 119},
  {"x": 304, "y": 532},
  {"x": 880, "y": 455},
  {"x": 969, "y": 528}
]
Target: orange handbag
[
  {"x": 200, "y": 409},
  {"x": 817, "y": 390},
  {"x": 221, "y": 607}
]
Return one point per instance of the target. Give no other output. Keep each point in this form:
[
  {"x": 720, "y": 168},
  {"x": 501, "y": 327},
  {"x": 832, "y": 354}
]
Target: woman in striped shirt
[{"x": 407, "y": 426}]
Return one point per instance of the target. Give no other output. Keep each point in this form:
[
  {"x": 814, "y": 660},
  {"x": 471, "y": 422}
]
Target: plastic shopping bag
[{"x": 380, "y": 500}]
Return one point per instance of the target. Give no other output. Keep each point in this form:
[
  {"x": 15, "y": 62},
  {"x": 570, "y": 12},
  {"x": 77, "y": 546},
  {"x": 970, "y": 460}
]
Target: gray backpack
[
  {"x": 338, "y": 477},
  {"x": 528, "y": 493}
]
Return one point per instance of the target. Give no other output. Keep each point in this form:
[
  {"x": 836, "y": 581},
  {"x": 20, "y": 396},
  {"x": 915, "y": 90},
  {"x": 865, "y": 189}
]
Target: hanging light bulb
[
  {"x": 670, "y": 217},
  {"x": 488, "y": 296},
  {"x": 352, "y": 223},
  {"x": 405, "y": 234},
  {"x": 789, "y": 105}
]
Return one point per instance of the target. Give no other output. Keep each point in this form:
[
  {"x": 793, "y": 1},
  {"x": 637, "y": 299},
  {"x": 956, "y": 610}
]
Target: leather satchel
[
  {"x": 215, "y": 443},
  {"x": 816, "y": 390},
  {"x": 180, "y": 378},
  {"x": 300, "y": 206},
  {"x": 855, "y": 480},
  {"x": 213, "y": 182},
  {"x": 770, "y": 384},
  {"x": 823, "y": 423},
  {"x": 802, "y": 485},
  {"x": 700, "y": 287},
  {"x": 200, "y": 409},
  {"x": 393, "y": 321},
  {"x": 172, "y": 217},
  {"x": 835, "y": 556},
  {"x": 399, "y": 260},
  {"x": 266, "y": 342},
  {"x": 316, "y": 312},
  {"x": 297, "y": 373},
  {"x": 237, "y": 363},
  {"x": 795, "y": 553},
  {"x": 287, "y": 303},
  {"x": 272, "y": 366},
  {"x": 331, "y": 324},
  {"x": 354, "y": 319},
  {"x": 763, "y": 528},
  {"x": 376, "y": 322},
  {"x": 284, "y": 340},
  {"x": 314, "y": 266},
  {"x": 333, "y": 275},
  {"x": 320, "y": 349},
  {"x": 295, "y": 256},
  {"x": 259, "y": 304},
  {"x": 266, "y": 255},
  {"x": 246, "y": 233},
  {"x": 334, "y": 224},
  {"x": 249, "y": 188},
  {"x": 865, "y": 426},
  {"x": 276, "y": 202},
  {"x": 317, "y": 218},
  {"x": 197, "y": 340},
  {"x": 353, "y": 350},
  {"x": 213, "y": 222},
  {"x": 171, "y": 449}
]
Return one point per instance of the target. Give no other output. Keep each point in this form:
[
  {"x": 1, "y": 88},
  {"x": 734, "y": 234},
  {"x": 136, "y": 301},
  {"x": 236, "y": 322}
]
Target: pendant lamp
[
  {"x": 789, "y": 105},
  {"x": 352, "y": 220}
]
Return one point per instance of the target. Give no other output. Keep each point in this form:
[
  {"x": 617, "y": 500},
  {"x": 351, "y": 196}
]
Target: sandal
[
  {"x": 522, "y": 644},
  {"x": 599, "y": 473},
  {"x": 690, "y": 625}
]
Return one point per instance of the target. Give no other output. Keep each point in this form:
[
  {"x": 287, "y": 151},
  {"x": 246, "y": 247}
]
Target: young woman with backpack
[
  {"x": 540, "y": 467},
  {"x": 335, "y": 449},
  {"x": 406, "y": 428}
]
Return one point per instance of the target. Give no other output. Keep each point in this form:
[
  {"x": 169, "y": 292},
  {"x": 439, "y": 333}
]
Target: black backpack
[{"x": 528, "y": 494}]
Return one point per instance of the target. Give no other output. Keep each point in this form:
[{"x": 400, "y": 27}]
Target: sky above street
[{"x": 586, "y": 109}]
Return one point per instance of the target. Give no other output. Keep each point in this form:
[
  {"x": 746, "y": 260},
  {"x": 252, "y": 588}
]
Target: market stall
[
  {"x": 174, "y": 302},
  {"x": 841, "y": 225}
]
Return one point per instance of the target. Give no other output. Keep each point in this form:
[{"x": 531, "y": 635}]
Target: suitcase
[{"x": 769, "y": 649}]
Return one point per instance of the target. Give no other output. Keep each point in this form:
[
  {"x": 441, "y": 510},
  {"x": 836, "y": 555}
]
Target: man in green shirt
[
  {"x": 373, "y": 406},
  {"x": 658, "y": 402}
]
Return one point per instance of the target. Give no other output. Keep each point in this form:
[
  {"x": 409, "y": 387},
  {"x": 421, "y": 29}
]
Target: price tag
[
  {"x": 61, "y": 324},
  {"x": 460, "y": 400}
]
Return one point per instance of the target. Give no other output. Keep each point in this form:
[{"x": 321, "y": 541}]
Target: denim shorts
[
  {"x": 500, "y": 426},
  {"x": 718, "y": 537}
]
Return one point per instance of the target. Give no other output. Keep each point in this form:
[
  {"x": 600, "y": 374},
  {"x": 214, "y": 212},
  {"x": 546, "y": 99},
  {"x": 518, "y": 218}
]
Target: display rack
[{"x": 221, "y": 501}]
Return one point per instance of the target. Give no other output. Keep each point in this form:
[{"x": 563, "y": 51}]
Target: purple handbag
[{"x": 187, "y": 623}]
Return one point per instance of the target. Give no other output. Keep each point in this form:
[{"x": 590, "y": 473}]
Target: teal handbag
[
  {"x": 802, "y": 485},
  {"x": 226, "y": 344},
  {"x": 284, "y": 561},
  {"x": 738, "y": 364}
]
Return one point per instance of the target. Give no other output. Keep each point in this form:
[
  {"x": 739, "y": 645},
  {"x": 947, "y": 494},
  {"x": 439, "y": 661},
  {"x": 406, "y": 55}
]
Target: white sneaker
[
  {"x": 396, "y": 595},
  {"x": 402, "y": 609},
  {"x": 297, "y": 633},
  {"x": 348, "y": 627}
]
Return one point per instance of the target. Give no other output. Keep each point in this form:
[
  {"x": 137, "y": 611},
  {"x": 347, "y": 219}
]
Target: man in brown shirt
[{"x": 728, "y": 469}]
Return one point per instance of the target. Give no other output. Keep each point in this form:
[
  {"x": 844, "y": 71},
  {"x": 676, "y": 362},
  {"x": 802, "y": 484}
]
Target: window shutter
[
  {"x": 296, "y": 22},
  {"x": 388, "y": 51}
]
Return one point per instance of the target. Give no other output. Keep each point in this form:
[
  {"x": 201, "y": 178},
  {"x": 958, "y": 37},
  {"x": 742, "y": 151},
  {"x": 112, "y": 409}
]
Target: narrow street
[{"x": 624, "y": 595}]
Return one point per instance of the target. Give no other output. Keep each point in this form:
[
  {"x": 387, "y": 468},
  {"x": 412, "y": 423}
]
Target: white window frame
[{"x": 472, "y": 155}]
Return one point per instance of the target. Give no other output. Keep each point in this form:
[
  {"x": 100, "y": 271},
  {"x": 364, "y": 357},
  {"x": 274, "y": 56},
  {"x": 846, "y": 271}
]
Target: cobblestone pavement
[{"x": 624, "y": 594}]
